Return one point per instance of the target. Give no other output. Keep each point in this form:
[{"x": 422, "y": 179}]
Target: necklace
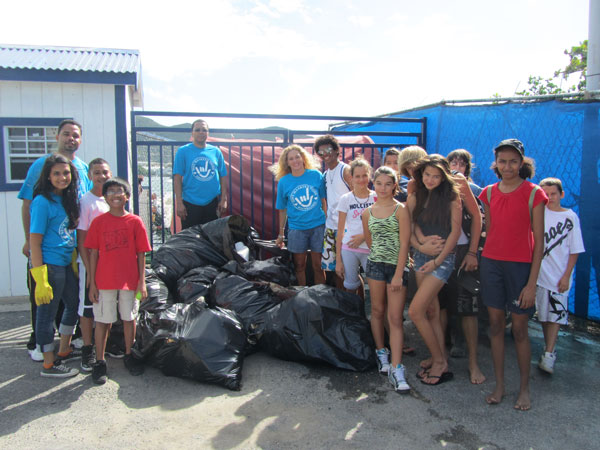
[
  {"x": 331, "y": 173},
  {"x": 356, "y": 199}
]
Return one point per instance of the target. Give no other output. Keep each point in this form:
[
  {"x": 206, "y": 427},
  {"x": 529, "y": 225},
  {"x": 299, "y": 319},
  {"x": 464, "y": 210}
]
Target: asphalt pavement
[{"x": 289, "y": 405}]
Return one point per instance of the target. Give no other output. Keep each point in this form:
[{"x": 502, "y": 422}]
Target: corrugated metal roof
[{"x": 69, "y": 58}]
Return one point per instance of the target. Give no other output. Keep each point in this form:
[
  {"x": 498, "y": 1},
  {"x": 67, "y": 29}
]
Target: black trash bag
[
  {"x": 223, "y": 233},
  {"x": 194, "y": 341},
  {"x": 275, "y": 270},
  {"x": 159, "y": 296},
  {"x": 196, "y": 283},
  {"x": 183, "y": 252},
  {"x": 319, "y": 324},
  {"x": 249, "y": 300},
  {"x": 154, "y": 328}
]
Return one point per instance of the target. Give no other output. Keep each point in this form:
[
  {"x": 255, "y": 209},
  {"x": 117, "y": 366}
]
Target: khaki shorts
[{"x": 105, "y": 311}]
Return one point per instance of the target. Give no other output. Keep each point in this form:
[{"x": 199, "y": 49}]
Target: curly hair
[
  {"x": 328, "y": 139},
  {"x": 282, "y": 167},
  {"x": 434, "y": 206},
  {"x": 70, "y": 199}
]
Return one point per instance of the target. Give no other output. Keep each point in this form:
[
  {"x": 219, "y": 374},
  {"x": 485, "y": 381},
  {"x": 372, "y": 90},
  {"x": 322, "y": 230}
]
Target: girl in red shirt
[{"x": 510, "y": 263}]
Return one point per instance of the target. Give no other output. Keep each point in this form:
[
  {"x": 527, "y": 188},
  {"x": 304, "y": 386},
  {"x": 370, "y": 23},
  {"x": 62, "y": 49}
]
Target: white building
[{"x": 39, "y": 87}]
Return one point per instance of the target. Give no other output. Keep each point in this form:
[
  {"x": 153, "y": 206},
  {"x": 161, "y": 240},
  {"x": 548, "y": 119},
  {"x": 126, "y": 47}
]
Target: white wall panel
[{"x": 10, "y": 99}]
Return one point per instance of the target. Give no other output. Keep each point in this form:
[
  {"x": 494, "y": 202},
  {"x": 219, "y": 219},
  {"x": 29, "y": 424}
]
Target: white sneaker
[
  {"x": 36, "y": 355},
  {"x": 398, "y": 380},
  {"x": 547, "y": 361},
  {"x": 77, "y": 343},
  {"x": 383, "y": 360}
]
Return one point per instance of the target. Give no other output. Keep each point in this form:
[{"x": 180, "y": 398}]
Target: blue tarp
[{"x": 562, "y": 137}]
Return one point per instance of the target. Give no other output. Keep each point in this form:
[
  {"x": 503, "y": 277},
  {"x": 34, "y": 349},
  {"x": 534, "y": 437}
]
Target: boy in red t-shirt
[
  {"x": 118, "y": 242},
  {"x": 511, "y": 259}
]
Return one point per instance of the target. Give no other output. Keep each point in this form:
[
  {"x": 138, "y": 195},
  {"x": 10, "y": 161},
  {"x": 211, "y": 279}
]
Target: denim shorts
[
  {"x": 381, "y": 271},
  {"x": 502, "y": 283},
  {"x": 441, "y": 272},
  {"x": 300, "y": 241}
]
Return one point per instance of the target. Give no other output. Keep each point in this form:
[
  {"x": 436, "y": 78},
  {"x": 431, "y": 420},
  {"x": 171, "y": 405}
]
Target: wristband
[
  {"x": 435, "y": 263},
  {"x": 472, "y": 254}
]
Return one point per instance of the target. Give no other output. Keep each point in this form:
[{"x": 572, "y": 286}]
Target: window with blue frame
[
  {"x": 22, "y": 141},
  {"x": 23, "y": 146}
]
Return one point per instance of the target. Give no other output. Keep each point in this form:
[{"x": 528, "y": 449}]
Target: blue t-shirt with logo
[
  {"x": 48, "y": 217},
  {"x": 301, "y": 196},
  {"x": 33, "y": 174},
  {"x": 201, "y": 169}
]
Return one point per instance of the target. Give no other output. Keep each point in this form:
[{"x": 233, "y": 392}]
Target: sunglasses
[{"x": 325, "y": 151}]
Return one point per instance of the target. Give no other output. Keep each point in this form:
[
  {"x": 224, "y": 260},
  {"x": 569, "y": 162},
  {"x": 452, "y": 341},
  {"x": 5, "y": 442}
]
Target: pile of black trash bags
[{"x": 208, "y": 308}]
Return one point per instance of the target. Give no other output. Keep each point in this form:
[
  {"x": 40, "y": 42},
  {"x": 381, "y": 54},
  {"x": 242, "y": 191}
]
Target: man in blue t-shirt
[
  {"x": 199, "y": 179},
  {"x": 68, "y": 137}
]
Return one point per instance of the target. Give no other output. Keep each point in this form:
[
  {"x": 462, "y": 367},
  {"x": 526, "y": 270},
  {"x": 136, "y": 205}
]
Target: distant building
[{"x": 39, "y": 87}]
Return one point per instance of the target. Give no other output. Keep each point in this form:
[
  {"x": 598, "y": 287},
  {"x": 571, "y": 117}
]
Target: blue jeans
[{"x": 65, "y": 288}]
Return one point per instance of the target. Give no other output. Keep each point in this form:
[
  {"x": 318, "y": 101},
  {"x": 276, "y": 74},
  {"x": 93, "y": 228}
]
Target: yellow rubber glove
[
  {"x": 74, "y": 263},
  {"x": 43, "y": 290}
]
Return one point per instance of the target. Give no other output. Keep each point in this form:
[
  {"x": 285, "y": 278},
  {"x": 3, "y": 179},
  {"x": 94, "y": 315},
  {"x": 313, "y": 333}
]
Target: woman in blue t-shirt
[
  {"x": 54, "y": 217},
  {"x": 301, "y": 200}
]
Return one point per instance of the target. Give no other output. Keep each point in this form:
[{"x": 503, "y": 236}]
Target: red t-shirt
[
  {"x": 510, "y": 238},
  {"x": 118, "y": 240}
]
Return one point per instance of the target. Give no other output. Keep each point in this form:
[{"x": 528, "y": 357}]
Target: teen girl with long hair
[{"x": 54, "y": 218}]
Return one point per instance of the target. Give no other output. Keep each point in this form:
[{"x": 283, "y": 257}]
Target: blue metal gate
[{"x": 251, "y": 185}]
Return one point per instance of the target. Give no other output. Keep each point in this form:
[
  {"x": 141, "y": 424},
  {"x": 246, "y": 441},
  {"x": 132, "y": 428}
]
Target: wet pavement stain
[
  {"x": 352, "y": 385},
  {"x": 460, "y": 436}
]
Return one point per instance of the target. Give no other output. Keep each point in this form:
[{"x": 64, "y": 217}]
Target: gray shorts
[{"x": 301, "y": 241}]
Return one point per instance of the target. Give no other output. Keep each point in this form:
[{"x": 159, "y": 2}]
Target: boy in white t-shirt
[
  {"x": 562, "y": 245},
  {"x": 91, "y": 205}
]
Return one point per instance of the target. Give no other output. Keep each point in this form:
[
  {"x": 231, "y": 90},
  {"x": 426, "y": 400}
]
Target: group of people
[
  {"x": 86, "y": 254},
  {"x": 421, "y": 216},
  {"x": 417, "y": 217}
]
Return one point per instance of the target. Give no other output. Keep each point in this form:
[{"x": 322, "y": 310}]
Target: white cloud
[{"x": 362, "y": 21}]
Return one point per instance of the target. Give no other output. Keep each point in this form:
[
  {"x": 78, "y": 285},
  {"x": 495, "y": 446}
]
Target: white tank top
[{"x": 336, "y": 186}]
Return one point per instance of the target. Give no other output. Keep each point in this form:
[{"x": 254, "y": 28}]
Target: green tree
[{"x": 577, "y": 64}]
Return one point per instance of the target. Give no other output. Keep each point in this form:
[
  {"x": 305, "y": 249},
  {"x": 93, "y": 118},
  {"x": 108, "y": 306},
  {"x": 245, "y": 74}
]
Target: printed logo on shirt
[
  {"x": 557, "y": 234},
  {"x": 203, "y": 169},
  {"x": 115, "y": 239},
  {"x": 68, "y": 236},
  {"x": 355, "y": 210},
  {"x": 304, "y": 197}
]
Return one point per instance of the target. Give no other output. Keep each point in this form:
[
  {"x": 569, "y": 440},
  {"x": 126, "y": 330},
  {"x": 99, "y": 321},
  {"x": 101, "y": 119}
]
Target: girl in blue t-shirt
[
  {"x": 54, "y": 217},
  {"x": 301, "y": 201}
]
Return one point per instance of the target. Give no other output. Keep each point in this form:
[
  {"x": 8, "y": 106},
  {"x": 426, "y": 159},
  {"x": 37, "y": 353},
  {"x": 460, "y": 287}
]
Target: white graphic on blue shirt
[
  {"x": 203, "y": 169},
  {"x": 67, "y": 235},
  {"x": 304, "y": 197}
]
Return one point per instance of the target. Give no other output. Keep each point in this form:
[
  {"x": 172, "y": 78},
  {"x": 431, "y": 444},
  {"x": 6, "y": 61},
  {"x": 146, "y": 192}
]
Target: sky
[{"x": 328, "y": 57}]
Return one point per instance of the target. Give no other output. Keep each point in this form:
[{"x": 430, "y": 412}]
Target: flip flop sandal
[{"x": 446, "y": 376}]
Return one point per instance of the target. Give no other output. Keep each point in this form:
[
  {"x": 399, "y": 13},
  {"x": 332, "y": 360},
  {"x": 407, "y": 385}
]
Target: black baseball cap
[{"x": 512, "y": 143}]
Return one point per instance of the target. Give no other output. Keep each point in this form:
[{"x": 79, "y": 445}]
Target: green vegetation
[{"x": 538, "y": 85}]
